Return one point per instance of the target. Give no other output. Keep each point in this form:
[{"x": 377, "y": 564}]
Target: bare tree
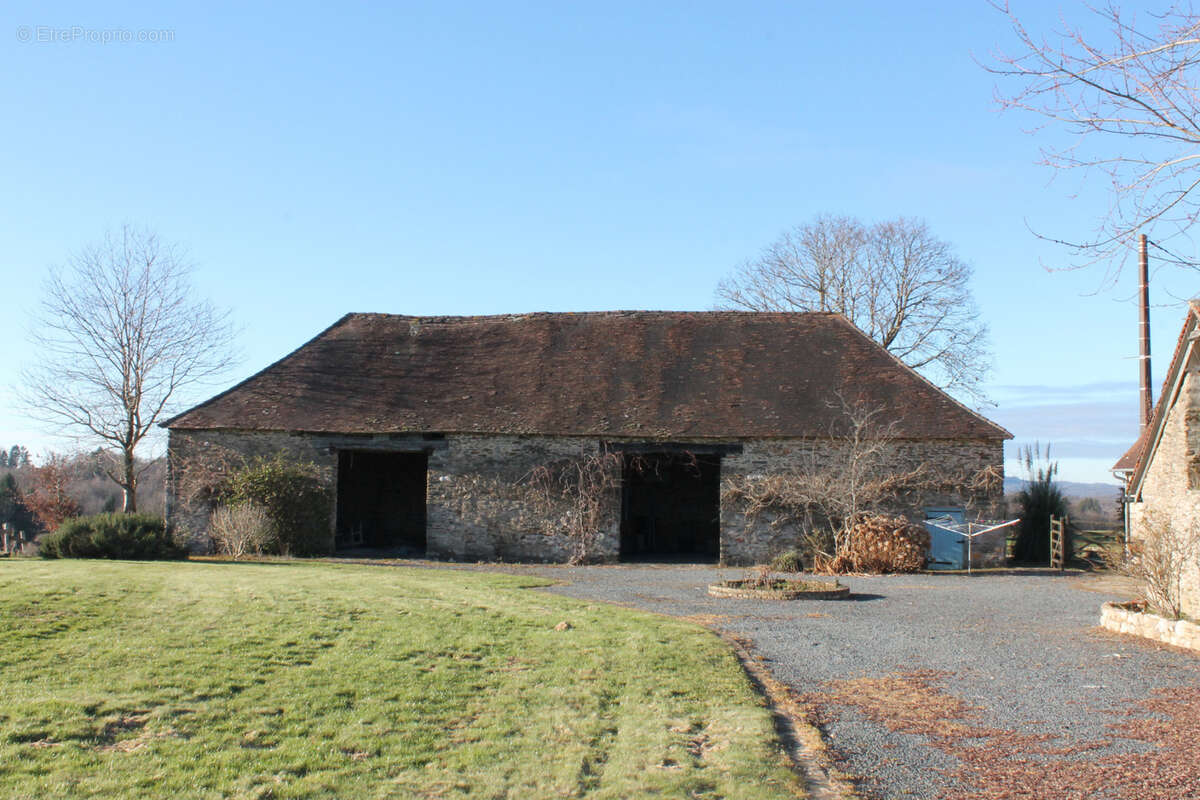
[
  {"x": 120, "y": 336},
  {"x": 1131, "y": 100},
  {"x": 895, "y": 280}
]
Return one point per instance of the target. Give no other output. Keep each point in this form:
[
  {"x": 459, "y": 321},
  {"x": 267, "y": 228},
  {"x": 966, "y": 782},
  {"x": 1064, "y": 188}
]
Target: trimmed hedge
[{"x": 134, "y": 537}]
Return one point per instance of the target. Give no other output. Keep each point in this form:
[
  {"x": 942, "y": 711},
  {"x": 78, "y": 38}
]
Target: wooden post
[{"x": 1145, "y": 388}]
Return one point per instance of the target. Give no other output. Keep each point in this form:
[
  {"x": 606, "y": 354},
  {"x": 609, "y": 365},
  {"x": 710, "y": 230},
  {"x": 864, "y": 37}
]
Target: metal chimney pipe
[{"x": 1147, "y": 404}]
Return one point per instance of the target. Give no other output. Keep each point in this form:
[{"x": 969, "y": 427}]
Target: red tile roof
[
  {"x": 651, "y": 374},
  {"x": 1127, "y": 462}
]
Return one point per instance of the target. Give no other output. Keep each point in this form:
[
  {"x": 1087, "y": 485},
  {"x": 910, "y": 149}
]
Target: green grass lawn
[{"x": 213, "y": 680}]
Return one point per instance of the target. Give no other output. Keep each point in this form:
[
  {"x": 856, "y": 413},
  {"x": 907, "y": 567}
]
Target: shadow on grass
[{"x": 258, "y": 561}]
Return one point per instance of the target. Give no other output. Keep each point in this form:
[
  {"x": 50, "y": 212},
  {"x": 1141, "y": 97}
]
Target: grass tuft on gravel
[{"x": 307, "y": 680}]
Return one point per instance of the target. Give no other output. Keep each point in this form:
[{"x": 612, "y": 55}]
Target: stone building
[
  {"x": 430, "y": 430},
  {"x": 1162, "y": 469}
]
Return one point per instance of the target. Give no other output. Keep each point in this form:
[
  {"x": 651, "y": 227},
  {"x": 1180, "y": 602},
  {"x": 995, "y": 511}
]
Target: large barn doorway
[
  {"x": 381, "y": 501},
  {"x": 670, "y": 507}
]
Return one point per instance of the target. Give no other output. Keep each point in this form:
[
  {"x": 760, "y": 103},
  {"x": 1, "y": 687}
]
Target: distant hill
[{"x": 1073, "y": 489}]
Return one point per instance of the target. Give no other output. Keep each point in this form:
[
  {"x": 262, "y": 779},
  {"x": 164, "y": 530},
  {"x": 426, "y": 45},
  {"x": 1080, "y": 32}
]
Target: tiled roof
[
  {"x": 651, "y": 374},
  {"x": 1127, "y": 462},
  {"x": 1137, "y": 458}
]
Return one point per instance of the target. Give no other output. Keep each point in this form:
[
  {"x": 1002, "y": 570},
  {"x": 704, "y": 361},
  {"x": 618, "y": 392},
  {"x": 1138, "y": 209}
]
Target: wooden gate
[{"x": 1058, "y": 542}]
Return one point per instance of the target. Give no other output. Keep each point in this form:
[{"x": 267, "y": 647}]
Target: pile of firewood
[{"x": 879, "y": 544}]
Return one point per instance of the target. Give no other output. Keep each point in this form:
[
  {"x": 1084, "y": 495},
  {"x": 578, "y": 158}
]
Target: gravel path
[{"x": 923, "y": 674}]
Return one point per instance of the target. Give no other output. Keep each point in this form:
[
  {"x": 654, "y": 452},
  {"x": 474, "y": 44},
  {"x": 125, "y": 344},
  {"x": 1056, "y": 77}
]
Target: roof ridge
[{"x": 608, "y": 313}]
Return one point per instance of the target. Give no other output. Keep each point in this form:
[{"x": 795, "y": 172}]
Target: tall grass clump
[
  {"x": 1038, "y": 501},
  {"x": 241, "y": 530}
]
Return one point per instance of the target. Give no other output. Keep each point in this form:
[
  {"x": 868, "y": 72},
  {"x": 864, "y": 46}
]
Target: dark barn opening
[
  {"x": 381, "y": 500},
  {"x": 670, "y": 507}
]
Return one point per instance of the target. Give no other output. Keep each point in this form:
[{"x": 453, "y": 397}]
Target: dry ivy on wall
[
  {"x": 578, "y": 497},
  {"x": 842, "y": 479},
  {"x": 575, "y": 497},
  {"x": 198, "y": 478}
]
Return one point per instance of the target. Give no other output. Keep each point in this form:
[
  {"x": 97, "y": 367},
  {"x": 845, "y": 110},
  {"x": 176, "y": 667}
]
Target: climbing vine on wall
[{"x": 577, "y": 497}]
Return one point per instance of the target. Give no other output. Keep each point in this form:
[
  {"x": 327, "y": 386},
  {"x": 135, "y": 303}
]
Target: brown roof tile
[
  {"x": 1129, "y": 460},
  {"x": 710, "y": 374}
]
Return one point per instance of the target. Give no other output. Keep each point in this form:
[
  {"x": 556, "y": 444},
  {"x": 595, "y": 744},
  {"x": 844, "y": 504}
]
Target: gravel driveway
[{"x": 929, "y": 686}]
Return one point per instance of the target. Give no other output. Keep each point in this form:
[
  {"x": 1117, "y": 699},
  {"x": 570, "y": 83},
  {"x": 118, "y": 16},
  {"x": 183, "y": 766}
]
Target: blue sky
[{"x": 459, "y": 158}]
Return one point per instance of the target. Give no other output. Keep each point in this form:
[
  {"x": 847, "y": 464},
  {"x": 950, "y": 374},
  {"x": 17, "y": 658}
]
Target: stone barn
[{"x": 431, "y": 432}]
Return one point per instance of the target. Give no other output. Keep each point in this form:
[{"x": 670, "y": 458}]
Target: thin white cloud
[
  {"x": 1071, "y": 448},
  {"x": 1036, "y": 394},
  {"x": 1088, "y": 425},
  {"x": 1104, "y": 421}
]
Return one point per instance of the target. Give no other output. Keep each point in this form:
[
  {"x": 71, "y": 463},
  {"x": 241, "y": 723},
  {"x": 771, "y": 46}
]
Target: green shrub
[
  {"x": 788, "y": 561},
  {"x": 137, "y": 537},
  {"x": 295, "y": 500}
]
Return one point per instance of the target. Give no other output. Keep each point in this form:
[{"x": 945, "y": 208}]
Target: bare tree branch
[
  {"x": 896, "y": 281},
  {"x": 120, "y": 337},
  {"x": 1132, "y": 102}
]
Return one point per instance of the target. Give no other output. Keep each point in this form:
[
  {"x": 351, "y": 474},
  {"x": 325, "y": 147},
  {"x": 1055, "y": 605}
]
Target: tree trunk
[{"x": 129, "y": 484}]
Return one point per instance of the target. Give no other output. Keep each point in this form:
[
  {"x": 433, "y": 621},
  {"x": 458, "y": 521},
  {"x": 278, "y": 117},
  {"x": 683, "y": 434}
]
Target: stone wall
[
  {"x": 479, "y": 502},
  {"x": 187, "y": 448},
  {"x": 951, "y": 465},
  {"x": 1120, "y": 618},
  {"x": 1170, "y": 492},
  {"x": 480, "y": 505}
]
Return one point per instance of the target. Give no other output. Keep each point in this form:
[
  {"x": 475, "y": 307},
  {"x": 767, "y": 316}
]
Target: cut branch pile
[{"x": 879, "y": 544}]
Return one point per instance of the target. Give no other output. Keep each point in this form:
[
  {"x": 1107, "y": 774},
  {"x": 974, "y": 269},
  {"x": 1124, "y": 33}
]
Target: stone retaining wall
[{"x": 1120, "y": 619}]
